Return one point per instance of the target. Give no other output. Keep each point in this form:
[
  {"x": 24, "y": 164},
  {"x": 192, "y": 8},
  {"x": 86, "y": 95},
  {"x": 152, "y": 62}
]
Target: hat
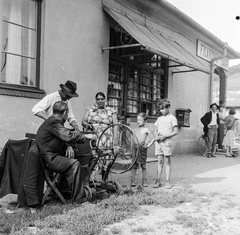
[
  {"x": 214, "y": 104},
  {"x": 70, "y": 88}
]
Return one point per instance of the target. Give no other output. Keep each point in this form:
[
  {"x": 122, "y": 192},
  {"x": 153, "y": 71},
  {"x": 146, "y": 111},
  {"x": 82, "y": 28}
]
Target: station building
[{"x": 135, "y": 51}]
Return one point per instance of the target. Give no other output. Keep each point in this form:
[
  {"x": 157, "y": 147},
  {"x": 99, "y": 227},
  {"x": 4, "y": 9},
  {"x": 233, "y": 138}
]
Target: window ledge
[{"x": 21, "y": 91}]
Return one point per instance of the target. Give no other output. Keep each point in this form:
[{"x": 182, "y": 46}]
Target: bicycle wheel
[
  {"x": 202, "y": 147},
  {"x": 126, "y": 148}
]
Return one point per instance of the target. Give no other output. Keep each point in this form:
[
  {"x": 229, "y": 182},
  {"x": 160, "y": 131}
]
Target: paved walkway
[
  {"x": 220, "y": 174},
  {"x": 208, "y": 175}
]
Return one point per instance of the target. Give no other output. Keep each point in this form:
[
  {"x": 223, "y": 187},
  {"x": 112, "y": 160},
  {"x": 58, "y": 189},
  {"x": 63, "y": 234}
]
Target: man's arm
[
  {"x": 75, "y": 125},
  {"x": 69, "y": 136},
  {"x": 44, "y": 104},
  {"x": 42, "y": 115},
  {"x": 71, "y": 119},
  {"x": 203, "y": 120}
]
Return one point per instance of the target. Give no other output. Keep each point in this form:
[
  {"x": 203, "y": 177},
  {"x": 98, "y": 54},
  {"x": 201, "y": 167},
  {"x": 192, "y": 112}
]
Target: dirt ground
[{"x": 215, "y": 211}]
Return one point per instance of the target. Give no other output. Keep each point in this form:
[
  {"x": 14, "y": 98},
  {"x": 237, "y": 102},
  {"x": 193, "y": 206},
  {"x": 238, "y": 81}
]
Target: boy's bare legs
[
  {"x": 133, "y": 181},
  {"x": 144, "y": 175},
  {"x": 168, "y": 171},
  {"x": 159, "y": 171}
]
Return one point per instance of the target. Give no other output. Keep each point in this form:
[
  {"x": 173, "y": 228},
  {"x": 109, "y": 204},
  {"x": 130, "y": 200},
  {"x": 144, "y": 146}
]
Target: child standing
[
  {"x": 228, "y": 140},
  {"x": 145, "y": 139},
  {"x": 167, "y": 127}
]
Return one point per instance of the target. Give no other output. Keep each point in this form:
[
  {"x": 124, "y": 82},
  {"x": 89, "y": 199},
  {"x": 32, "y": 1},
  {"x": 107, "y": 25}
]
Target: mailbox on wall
[{"x": 183, "y": 117}]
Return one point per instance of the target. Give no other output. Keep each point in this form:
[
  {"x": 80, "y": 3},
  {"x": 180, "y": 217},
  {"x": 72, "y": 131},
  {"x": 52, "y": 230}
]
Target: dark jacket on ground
[
  {"x": 30, "y": 190},
  {"x": 206, "y": 119},
  {"x": 11, "y": 164}
]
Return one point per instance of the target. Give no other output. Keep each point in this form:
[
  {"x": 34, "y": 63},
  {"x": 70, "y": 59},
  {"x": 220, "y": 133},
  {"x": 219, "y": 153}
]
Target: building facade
[{"x": 136, "y": 51}]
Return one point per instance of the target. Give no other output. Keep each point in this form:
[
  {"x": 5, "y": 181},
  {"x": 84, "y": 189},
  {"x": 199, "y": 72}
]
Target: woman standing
[
  {"x": 221, "y": 127},
  {"x": 97, "y": 118},
  {"x": 230, "y": 131}
]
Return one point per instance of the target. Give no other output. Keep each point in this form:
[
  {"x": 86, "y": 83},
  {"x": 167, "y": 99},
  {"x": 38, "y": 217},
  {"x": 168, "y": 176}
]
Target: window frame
[{"x": 23, "y": 90}]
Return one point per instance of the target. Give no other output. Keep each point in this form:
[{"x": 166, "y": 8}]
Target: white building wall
[
  {"x": 189, "y": 90},
  {"x": 73, "y": 33}
]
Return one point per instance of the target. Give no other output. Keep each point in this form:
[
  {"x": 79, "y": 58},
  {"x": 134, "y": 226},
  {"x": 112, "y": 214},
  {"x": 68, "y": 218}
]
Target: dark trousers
[
  {"x": 74, "y": 178},
  {"x": 212, "y": 139}
]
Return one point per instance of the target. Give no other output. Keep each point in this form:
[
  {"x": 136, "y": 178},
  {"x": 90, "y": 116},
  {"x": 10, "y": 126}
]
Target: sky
[{"x": 217, "y": 16}]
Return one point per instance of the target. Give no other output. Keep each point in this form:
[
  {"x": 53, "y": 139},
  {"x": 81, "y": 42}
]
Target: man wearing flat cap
[
  {"x": 211, "y": 122},
  {"x": 44, "y": 108}
]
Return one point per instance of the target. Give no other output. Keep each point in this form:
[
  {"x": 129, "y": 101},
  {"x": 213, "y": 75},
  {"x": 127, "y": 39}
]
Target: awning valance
[{"x": 151, "y": 39}]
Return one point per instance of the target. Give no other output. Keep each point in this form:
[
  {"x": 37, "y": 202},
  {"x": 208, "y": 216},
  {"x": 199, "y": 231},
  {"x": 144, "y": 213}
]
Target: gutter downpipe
[{"x": 212, "y": 71}]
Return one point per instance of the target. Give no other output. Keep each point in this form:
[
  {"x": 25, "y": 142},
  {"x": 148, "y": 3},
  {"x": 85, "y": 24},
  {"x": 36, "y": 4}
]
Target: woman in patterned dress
[{"x": 97, "y": 118}]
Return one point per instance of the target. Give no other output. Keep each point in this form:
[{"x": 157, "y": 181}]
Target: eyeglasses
[{"x": 100, "y": 98}]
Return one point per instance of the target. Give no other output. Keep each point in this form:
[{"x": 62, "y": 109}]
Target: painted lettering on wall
[{"x": 206, "y": 52}]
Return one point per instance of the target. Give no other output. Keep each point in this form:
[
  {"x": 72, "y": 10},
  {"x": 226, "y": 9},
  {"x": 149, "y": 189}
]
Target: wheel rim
[
  {"x": 127, "y": 145},
  {"x": 202, "y": 148}
]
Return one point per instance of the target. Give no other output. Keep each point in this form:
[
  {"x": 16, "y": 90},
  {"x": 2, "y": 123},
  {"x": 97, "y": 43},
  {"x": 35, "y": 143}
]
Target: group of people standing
[
  {"x": 55, "y": 140},
  {"x": 219, "y": 129}
]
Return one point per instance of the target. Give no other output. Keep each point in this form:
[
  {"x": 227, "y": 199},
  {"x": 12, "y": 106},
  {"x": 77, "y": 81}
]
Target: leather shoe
[{"x": 213, "y": 155}]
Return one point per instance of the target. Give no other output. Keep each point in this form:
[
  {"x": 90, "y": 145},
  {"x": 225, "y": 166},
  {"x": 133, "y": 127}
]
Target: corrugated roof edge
[{"x": 169, "y": 7}]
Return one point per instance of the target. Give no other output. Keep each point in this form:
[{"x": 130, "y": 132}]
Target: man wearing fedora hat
[
  {"x": 44, "y": 108},
  {"x": 211, "y": 122}
]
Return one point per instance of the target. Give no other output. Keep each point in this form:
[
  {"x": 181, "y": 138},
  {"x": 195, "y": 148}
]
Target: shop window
[
  {"x": 133, "y": 85},
  {"x": 144, "y": 89},
  {"x": 141, "y": 78},
  {"x": 115, "y": 86},
  {"x": 19, "y": 62}
]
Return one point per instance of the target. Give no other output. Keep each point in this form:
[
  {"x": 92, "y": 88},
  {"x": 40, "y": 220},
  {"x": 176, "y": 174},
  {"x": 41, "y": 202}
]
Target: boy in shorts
[
  {"x": 167, "y": 127},
  {"x": 145, "y": 139}
]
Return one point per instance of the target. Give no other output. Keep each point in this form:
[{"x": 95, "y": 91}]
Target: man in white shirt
[
  {"x": 211, "y": 122},
  {"x": 44, "y": 108}
]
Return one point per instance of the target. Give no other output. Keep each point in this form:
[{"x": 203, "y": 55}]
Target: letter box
[{"x": 183, "y": 117}]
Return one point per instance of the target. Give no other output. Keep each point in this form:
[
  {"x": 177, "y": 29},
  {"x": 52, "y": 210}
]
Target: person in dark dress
[{"x": 54, "y": 142}]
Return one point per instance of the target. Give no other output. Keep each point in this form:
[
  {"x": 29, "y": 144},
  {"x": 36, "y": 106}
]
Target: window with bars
[
  {"x": 115, "y": 86},
  {"x": 20, "y": 42},
  {"x": 142, "y": 77},
  {"x": 144, "y": 89}
]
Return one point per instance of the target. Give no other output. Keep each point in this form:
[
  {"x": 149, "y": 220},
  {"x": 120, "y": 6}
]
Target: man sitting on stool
[{"x": 54, "y": 142}]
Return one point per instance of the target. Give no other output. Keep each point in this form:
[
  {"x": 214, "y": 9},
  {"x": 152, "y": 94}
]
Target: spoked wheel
[
  {"x": 121, "y": 154},
  {"x": 202, "y": 145}
]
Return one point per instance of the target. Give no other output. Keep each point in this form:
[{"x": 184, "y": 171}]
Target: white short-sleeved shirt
[
  {"x": 46, "y": 105},
  {"x": 165, "y": 124}
]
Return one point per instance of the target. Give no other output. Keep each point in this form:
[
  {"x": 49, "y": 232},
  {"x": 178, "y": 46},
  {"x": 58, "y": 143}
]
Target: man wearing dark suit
[
  {"x": 54, "y": 142},
  {"x": 211, "y": 121}
]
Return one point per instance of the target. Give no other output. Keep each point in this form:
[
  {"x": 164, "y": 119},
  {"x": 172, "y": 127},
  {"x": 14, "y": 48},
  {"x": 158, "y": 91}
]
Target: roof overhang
[
  {"x": 152, "y": 38},
  {"x": 148, "y": 21}
]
